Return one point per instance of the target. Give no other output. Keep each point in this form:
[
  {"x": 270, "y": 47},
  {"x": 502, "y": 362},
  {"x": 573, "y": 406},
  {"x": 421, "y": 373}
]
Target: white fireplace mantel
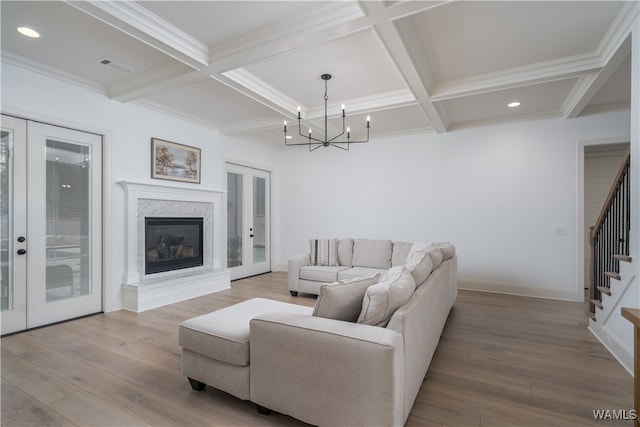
[{"x": 144, "y": 291}]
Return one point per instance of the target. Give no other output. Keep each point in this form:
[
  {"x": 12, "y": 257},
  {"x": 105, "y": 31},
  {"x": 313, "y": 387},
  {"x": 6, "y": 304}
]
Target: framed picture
[{"x": 175, "y": 162}]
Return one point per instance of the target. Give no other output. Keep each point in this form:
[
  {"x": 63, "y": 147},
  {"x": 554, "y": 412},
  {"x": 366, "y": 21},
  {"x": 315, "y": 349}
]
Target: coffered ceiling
[{"x": 242, "y": 67}]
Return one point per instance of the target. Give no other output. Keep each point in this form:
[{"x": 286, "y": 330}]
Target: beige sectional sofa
[
  {"x": 321, "y": 370},
  {"x": 355, "y": 258}
]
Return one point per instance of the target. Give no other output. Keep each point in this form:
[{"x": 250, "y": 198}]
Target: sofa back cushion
[
  {"x": 324, "y": 252},
  {"x": 372, "y": 253},
  {"x": 420, "y": 265},
  {"x": 400, "y": 253},
  {"x": 343, "y": 300},
  {"x": 436, "y": 256},
  {"x": 345, "y": 252},
  {"x": 382, "y": 299},
  {"x": 448, "y": 250}
]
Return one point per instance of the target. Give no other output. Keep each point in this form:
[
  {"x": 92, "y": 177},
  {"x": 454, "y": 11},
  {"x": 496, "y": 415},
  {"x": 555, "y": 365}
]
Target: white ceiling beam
[
  {"x": 588, "y": 86},
  {"x": 165, "y": 78},
  {"x": 135, "y": 21},
  {"x": 410, "y": 61},
  {"x": 334, "y": 20},
  {"x": 549, "y": 71}
]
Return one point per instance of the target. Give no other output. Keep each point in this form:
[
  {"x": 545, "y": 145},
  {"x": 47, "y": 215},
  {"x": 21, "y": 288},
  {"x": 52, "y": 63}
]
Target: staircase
[{"x": 609, "y": 241}]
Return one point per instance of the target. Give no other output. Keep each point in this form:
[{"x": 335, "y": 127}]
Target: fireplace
[
  {"x": 142, "y": 290},
  {"x": 172, "y": 243}
]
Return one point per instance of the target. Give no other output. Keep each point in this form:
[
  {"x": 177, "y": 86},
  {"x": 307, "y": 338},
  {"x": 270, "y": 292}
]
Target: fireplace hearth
[{"x": 172, "y": 244}]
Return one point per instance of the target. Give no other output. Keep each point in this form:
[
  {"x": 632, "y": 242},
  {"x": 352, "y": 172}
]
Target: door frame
[
  {"x": 268, "y": 226},
  {"x": 580, "y": 214}
]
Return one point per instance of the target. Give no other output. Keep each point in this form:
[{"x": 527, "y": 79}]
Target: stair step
[
  {"x": 604, "y": 290},
  {"x": 592, "y": 316},
  {"x": 625, "y": 258},
  {"x": 612, "y": 274},
  {"x": 597, "y": 303}
]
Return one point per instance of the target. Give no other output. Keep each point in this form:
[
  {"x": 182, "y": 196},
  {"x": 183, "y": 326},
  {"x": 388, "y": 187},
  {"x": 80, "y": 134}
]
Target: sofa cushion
[
  {"x": 448, "y": 250},
  {"x": 400, "y": 252},
  {"x": 359, "y": 272},
  {"x": 372, "y": 253},
  {"x": 224, "y": 334},
  {"x": 420, "y": 265},
  {"x": 382, "y": 299},
  {"x": 345, "y": 252},
  {"x": 343, "y": 300},
  {"x": 323, "y": 252},
  {"x": 321, "y": 273},
  {"x": 436, "y": 256}
]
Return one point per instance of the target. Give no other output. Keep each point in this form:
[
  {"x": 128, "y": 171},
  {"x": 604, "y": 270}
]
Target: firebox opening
[{"x": 172, "y": 243}]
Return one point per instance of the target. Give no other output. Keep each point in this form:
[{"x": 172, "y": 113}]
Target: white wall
[
  {"x": 128, "y": 129},
  {"x": 500, "y": 193},
  {"x": 505, "y": 195}
]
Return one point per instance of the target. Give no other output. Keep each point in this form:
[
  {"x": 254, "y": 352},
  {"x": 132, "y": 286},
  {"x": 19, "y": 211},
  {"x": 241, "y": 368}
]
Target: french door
[
  {"x": 51, "y": 224},
  {"x": 248, "y": 221}
]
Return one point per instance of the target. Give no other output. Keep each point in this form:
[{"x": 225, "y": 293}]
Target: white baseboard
[
  {"x": 519, "y": 290},
  {"x": 280, "y": 267},
  {"x": 617, "y": 348}
]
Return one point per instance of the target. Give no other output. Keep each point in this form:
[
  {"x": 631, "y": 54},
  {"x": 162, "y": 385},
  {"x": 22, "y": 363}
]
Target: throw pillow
[
  {"x": 343, "y": 300},
  {"x": 383, "y": 299},
  {"x": 420, "y": 265},
  {"x": 323, "y": 252}
]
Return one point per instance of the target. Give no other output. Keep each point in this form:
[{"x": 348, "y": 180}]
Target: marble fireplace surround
[{"x": 145, "y": 291}]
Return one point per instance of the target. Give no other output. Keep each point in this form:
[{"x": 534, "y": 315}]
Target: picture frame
[{"x": 175, "y": 162}]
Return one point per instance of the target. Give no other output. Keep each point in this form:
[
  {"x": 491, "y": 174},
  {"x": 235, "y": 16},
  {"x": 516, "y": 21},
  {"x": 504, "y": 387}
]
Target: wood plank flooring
[{"x": 502, "y": 361}]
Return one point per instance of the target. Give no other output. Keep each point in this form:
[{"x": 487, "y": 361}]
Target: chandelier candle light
[{"x": 315, "y": 143}]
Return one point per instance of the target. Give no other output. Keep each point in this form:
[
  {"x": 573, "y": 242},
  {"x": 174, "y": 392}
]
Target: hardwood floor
[{"x": 502, "y": 361}]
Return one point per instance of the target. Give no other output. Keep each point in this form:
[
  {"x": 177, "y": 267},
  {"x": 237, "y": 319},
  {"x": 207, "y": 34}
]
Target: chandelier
[{"x": 315, "y": 143}]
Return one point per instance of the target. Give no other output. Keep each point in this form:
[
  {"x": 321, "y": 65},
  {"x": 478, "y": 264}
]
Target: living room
[{"x": 508, "y": 193}]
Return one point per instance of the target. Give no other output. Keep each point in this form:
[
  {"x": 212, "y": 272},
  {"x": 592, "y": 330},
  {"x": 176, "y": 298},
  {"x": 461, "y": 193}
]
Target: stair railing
[{"x": 610, "y": 235}]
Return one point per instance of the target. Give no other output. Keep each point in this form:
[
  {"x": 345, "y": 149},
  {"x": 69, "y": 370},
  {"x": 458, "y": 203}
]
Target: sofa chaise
[{"x": 335, "y": 364}]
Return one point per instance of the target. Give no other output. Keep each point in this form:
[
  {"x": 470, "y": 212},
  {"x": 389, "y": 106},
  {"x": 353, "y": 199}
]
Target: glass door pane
[
  {"x": 259, "y": 216},
  {"x": 235, "y": 212},
  {"x": 6, "y": 279},
  {"x": 68, "y": 220},
  {"x": 13, "y": 213}
]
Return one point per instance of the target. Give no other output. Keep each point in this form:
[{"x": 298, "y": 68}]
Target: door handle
[
  {"x": 22, "y": 251},
  {"x": 251, "y": 231}
]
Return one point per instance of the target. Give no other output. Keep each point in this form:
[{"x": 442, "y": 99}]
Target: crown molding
[
  {"x": 51, "y": 72},
  {"x": 176, "y": 114},
  {"x": 136, "y": 21},
  {"x": 507, "y": 120},
  {"x": 249, "y": 126},
  {"x": 547, "y": 71},
  {"x": 619, "y": 31},
  {"x": 588, "y": 86},
  {"x": 256, "y": 88}
]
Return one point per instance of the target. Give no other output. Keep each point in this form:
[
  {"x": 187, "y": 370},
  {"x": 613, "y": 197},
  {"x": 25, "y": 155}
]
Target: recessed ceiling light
[
  {"x": 29, "y": 32},
  {"x": 513, "y": 104}
]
